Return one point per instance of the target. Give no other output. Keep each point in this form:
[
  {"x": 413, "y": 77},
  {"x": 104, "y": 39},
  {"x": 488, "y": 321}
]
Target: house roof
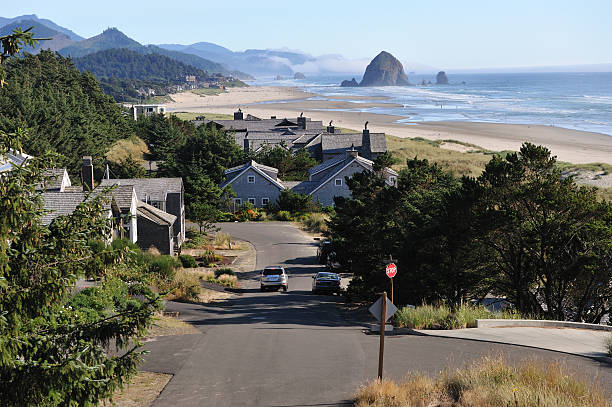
[
  {"x": 122, "y": 195},
  {"x": 11, "y": 159},
  {"x": 251, "y": 163},
  {"x": 327, "y": 164},
  {"x": 259, "y": 168},
  {"x": 53, "y": 178},
  {"x": 59, "y": 204},
  {"x": 155, "y": 215},
  {"x": 154, "y": 189},
  {"x": 331, "y": 142}
]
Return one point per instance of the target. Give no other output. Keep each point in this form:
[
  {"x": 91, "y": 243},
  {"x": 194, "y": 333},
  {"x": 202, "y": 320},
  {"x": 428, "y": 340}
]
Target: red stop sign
[{"x": 391, "y": 270}]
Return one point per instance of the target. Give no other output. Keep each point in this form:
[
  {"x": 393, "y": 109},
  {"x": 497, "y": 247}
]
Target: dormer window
[
  {"x": 251, "y": 179},
  {"x": 393, "y": 180}
]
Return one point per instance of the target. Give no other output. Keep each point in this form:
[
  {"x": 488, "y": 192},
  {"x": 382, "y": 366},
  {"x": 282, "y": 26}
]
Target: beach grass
[
  {"x": 208, "y": 91},
  {"x": 134, "y": 146},
  {"x": 155, "y": 100},
  {"x": 208, "y": 115},
  {"x": 488, "y": 382}
]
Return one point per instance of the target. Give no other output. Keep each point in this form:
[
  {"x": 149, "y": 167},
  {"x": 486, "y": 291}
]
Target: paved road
[{"x": 295, "y": 348}]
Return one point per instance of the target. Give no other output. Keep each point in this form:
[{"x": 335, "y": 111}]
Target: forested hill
[
  {"x": 62, "y": 110},
  {"x": 127, "y": 64},
  {"x": 57, "y": 40}
]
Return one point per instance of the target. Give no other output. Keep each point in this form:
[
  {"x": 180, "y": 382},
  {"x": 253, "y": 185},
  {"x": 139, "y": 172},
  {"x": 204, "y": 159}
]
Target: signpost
[
  {"x": 391, "y": 271},
  {"x": 383, "y": 309}
]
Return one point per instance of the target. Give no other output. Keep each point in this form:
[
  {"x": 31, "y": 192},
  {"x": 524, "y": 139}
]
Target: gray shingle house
[
  {"x": 126, "y": 200},
  {"x": 254, "y": 183},
  {"x": 258, "y": 184},
  {"x": 155, "y": 229},
  {"x": 166, "y": 194}
]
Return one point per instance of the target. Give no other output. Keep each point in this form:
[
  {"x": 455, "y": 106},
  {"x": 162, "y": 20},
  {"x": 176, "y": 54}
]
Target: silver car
[{"x": 274, "y": 277}]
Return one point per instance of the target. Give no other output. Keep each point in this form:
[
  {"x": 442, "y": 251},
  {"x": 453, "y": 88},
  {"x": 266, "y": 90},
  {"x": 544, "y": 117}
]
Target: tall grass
[
  {"x": 442, "y": 317},
  {"x": 488, "y": 382},
  {"x": 315, "y": 222},
  {"x": 222, "y": 240},
  {"x": 608, "y": 345}
]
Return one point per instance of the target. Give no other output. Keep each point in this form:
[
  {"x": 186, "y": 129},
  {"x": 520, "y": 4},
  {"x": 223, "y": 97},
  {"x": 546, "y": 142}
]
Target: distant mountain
[
  {"x": 112, "y": 38},
  {"x": 48, "y": 23},
  {"x": 58, "y": 40},
  {"x": 127, "y": 64}
]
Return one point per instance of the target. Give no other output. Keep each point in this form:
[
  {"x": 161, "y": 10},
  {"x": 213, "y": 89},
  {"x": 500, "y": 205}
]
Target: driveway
[{"x": 295, "y": 348}]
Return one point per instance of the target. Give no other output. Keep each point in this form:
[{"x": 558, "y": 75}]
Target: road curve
[{"x": 295, "y": 348}]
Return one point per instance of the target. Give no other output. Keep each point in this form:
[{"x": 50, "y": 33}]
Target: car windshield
[
  {"x": 327, "y": 276},
  {"x": 273, "y": 272}
]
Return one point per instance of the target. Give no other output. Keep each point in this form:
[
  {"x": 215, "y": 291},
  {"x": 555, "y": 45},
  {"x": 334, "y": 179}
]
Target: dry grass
[
  {"x": 185, "y": 286},
  {"x": 489, "y": 382},
  {"x": 142, "y": 390},
  {"x": 208, "y": 91},
  {"x": 315, "y": 222},
  {"x": 458, "y": 163},
  {"x": 227, "y": 280},
  {"x": 209, "y": 116},
  {"x": 604, "y": 193},
  {"x": 166, "y": 326},
  {"x": 222, "y": 240},
  {"x": 134, "y": 146}
]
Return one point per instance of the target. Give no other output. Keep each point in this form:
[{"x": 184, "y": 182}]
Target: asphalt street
[{"x": 297, "y": 349}]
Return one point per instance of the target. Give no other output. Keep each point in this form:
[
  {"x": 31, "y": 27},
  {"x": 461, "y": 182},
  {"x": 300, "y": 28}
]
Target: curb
[{"x": 533, "y": 323}]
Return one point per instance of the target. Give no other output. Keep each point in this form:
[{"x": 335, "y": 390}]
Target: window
[
  {"x": 252, "y": 201},
  {"x": 265, "y": 201},
  {"x": 251, "y": 179},
  {"x": 238, "y": 201},
  {"x": 338, "y": 182},
  {"x": 393, "y": 180}
]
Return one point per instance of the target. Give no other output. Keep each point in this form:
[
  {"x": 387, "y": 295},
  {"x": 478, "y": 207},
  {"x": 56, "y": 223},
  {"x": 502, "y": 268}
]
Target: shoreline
[{"x": 575, "y": 146}]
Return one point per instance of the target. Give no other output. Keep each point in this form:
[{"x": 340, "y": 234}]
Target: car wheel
[{"x": 285, "y": 288}]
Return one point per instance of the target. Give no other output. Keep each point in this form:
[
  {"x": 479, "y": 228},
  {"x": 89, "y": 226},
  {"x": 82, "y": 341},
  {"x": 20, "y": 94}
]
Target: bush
[
  {"x": 164, "y": 267},
  {"x": 487, "y": 382},
  {"x": 222, "y": 240},
  {"x": 316, "y": 222},
  {"x": 186, "y": 286},
  {"x": 226, "y": 271},
  {"x": 295, "y": 202},
  {"x": 423, "y": 317},
  {"x": 227, "y": 280},
  {"x": 195, "y": 239},
  {"x": 187, "y": 261},
  {"x": 284, "y": 215}
]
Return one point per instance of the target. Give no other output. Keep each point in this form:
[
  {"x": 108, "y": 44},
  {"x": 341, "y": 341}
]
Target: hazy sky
[{"x": 442, "y": 33}]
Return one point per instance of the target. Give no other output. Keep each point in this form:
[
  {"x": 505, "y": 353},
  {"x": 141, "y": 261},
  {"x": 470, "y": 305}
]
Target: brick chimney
[
  {"x": 366, "y": 146},
  {"x": 238, "y": 115},
  {"x": 87, "y": 176}
]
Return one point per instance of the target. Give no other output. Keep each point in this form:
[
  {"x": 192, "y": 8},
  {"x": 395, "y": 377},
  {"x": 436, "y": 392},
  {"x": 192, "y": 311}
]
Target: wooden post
[{"x": 381, "y": 351}]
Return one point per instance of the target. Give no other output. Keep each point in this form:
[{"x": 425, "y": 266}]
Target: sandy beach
[{"x": 568, "y": 145}]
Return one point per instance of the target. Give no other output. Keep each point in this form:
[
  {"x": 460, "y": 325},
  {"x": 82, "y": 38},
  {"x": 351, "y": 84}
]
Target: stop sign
[{"x": 391, "y": 270}]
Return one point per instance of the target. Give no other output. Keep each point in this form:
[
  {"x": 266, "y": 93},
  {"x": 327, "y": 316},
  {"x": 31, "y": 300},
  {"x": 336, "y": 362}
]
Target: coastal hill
[
  {"x": 26, "y": 18},
  {"x": 58, "y": 39},
  {"x": 384, "y": 70}
]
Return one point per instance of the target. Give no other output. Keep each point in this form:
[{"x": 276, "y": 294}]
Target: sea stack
[
  {"x": 279, "y": 77},
  {"x": 349, "y": 84},
  {"x": 299, "y": 75},
  {"x": 385, "y": 70},
  {"x": 441, "y": 78}
]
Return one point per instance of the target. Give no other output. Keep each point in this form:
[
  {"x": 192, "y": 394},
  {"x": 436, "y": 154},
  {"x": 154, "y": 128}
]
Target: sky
[{"x": 445, "y": 34}]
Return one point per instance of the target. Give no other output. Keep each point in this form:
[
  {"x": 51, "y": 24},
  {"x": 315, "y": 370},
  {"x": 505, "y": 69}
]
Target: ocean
[{"x": 580, "y": 101}]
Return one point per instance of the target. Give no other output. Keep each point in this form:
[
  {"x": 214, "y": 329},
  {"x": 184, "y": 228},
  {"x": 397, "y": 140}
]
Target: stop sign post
[{"x": 391, "y": 271}]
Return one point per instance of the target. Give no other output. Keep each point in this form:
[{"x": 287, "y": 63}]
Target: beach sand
[{"x": 568, "y": 145}]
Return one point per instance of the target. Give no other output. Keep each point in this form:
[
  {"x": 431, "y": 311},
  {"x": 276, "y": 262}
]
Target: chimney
[
  {"x": 366, "y": 147},
  {"x": 301, "y": 121},
  {"x": 246, "y": 142},
  {"x": 87, "y": 173},
  {"x": 330, "y": 128},
  {"x": 238, "y": 115},
  {"x": 272, "y": 117},
  {"x": 352, "y": 152}
]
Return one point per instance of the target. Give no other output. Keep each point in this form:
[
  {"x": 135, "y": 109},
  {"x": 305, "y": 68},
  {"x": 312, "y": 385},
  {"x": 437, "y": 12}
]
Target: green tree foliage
[
  {"x": 127, "y": 168},
  {"x": 127, "y": 64},
  {"x": 519, "y": 231},
  {"x": 294, "y": 202},
  {"x": 64, "y": 110},
  {"x": 291, "y": 165}
]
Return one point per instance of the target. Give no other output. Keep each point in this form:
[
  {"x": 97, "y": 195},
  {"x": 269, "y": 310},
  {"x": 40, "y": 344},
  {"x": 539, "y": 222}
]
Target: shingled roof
[
  {"x": 154, "y": 189},
  {"x": 53, "y": 179},
  {"x": 336, "y": 142},
  {"x": 122, "y": 195},
  {"x": 60, "y": 204},
  {"x": 155, "y": 215}
]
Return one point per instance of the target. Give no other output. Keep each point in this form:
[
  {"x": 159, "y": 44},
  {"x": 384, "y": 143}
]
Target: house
[
  {"x": 11, "y": 159},
  {"x": 146, "y": 110},
  {"x": 126, "y": 200},
  {"x": 369, "y": 145},
  {"x": 254, "y": 183},
  {"x": 260, "y": 185},
  {"x": 57, "y": 180},
  {"x": 165, "y": 194},
  {"x": 155, "y": 228}
]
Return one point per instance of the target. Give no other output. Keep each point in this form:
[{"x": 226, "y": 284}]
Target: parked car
[
  {"x": 326, "y": 282},
  {"x": 274, "y": 277}
]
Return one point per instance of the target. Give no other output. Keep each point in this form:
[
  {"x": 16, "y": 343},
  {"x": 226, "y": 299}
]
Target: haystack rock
[
  {"x": 279, "y": 77},
  {"x": 441, "y": 78},
  {"x": 349, "y": 84},
  {"x": 385, "y": 70},
  {"x": 299, "y": 75}
]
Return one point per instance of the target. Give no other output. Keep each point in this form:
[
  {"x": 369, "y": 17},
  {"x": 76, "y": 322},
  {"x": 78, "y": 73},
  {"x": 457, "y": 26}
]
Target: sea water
[{"x": 580, "y": 101}]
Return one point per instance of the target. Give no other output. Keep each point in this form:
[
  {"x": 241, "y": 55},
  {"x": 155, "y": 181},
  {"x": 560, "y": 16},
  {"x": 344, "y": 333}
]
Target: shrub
[
  {"x": 487, "y": 382},
  {"x": 227, "y": 280},
  {"x": 164, "y": 267},
  {"x": 295, "y": 202},
  {"x": 423, "y": 317},
  {"x": 210, "y": 257},
  {"x": 186, "y": 286},
  {"x": 222, "y": 239},
  {"x": 208, "y": 275},
  {"x": 224, "y": 271},
  {"x": 316, "y": 222},
  {"x": 195, "y": 239},
  {"x": 187, "y": 261},
  {"x": 284, "y": 215}
]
